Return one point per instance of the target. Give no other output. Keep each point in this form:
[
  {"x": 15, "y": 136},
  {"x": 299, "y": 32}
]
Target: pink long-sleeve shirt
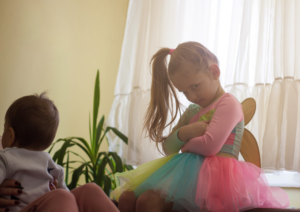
[{"x": 223, "y": 134}]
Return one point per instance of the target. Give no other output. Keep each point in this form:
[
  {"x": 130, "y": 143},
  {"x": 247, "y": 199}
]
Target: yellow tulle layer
[{"x": 128, "y": 181}]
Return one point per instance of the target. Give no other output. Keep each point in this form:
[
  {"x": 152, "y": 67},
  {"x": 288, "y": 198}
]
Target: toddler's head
[
  {"x": 193, "y": 70},
  {"x": 31, "y": 122}
]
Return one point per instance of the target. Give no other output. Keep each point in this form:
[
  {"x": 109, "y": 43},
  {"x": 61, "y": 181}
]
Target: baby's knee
[
  {"x": 147, "y": 201},
  {"x": 90, "y": 187},
  {"x": 127, "y": 201},
  {"x": 127, "y": 196},
  {"x": 62, "y": 194},
  {"x": 87, "y": 189}
]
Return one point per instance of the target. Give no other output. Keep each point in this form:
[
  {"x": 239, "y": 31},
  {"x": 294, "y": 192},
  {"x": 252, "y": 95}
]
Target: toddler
[{"x": 30, "y": 126}]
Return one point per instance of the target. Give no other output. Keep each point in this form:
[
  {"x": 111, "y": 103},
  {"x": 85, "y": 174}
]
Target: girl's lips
[{"x": 200, "y": 101}]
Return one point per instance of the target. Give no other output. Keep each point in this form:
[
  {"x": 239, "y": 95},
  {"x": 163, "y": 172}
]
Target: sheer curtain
[{"x": 258, "y": 45}]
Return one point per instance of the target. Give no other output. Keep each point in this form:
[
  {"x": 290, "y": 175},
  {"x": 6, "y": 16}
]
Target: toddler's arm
[
  {"x": 228, "y": 113},
  {"x": 61, "y": 180},
  {"x": 2, "y": 168},
  {"x": 172, "y": 144}
]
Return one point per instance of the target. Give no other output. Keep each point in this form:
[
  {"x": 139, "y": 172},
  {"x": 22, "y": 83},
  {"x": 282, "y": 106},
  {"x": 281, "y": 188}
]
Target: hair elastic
[{"x": 171, "y": 51}]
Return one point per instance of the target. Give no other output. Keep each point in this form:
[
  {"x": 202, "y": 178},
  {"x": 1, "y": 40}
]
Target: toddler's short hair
[{"x": 35, "y": 120}]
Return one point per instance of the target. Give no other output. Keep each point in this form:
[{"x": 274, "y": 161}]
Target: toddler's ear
[
  {"x": 12, "y": 137},
  {"x": 215, "y": 70}
]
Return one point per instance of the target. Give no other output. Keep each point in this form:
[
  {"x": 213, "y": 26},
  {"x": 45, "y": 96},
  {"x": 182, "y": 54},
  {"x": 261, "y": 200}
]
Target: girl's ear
[
  {"x": 215, "y": 70},
  {"x": 12, "y": 137}
]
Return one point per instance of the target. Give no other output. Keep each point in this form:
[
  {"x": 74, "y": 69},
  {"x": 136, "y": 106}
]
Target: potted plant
[{"x": 100, "y": 167}]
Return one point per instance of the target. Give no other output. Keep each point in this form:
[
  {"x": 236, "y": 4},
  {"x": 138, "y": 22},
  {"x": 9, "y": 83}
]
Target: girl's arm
[
  {"x": 172, "y": 144},
  {"x": 228, "y": 113},
  {"x": 192, "y": 130}
]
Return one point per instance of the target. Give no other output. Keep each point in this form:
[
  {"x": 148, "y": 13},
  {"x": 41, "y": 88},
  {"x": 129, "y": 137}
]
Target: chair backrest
[{"x": 249, "y": 147}]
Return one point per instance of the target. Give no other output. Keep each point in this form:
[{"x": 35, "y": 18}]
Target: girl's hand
[
  {"x": 199, "y": 128},
  {"x": 192, "y": 130},
  {"x": 9, "y": 187}
]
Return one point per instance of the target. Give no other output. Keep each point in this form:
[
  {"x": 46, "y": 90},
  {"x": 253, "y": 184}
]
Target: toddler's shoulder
[
  {"x": 47, "y": 156},
  {"x": 7, "y": 152},
  {"x": 20, "y": 154},
  {"x": 4, "y": 151}
]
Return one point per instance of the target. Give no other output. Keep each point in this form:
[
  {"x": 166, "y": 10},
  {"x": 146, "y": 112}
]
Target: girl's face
[{"x": 199, "y": 87}]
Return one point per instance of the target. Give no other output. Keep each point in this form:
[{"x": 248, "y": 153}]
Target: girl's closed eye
[{"x": 195, "y": 86}]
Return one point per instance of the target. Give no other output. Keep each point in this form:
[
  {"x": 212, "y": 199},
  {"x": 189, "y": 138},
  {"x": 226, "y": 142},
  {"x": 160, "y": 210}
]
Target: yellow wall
[{"x": 57, "y": 46}]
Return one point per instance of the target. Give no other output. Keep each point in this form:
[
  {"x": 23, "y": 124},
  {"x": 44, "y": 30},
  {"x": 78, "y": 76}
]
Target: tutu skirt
[{"x": 194, "y": 183}]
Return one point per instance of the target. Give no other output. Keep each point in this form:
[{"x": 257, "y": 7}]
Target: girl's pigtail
[{"x": 161, "y": 103}]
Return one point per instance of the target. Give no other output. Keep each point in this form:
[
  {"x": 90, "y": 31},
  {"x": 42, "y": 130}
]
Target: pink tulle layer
[{"x": 225, "y": 184}]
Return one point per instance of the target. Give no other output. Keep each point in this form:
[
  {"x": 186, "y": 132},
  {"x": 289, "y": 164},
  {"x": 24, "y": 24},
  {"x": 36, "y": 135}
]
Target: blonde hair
[{"x": 162, "y": 88}]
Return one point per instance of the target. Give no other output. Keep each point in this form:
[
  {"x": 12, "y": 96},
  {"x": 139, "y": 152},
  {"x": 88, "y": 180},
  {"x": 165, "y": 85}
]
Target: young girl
[{"x": 207, "y": 175}]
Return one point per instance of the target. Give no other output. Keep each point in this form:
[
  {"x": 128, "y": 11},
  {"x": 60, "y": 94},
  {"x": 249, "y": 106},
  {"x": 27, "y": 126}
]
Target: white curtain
[{"x": 258, "y": 46}]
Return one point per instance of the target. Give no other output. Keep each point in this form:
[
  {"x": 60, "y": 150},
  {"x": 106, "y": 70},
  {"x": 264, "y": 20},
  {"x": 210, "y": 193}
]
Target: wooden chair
[
  {"x": 249, "y": 147},
  {"x": 250, "y": 150}
]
